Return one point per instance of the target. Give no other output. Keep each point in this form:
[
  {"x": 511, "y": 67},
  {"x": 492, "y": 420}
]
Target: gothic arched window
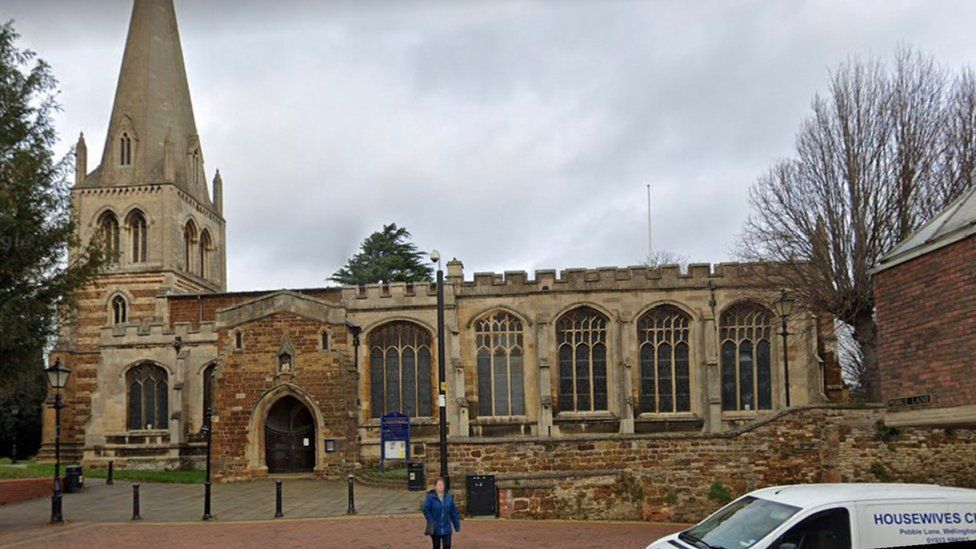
[
  {"x": 399, "y": 369},
  {"x": 204, "y": 252},
  {"x": 189, "y": 241},
  {"x": 581, "y": 335},
  {"x": 148, "y": 394},
  {"x": 125, "y": 149},
  {"x": 108, "y": 229},
  {"x": 744, "y": 332},
  {"x": 501, "y": 382},
  {"x": 663, "y": 334},
  {"x": 120, "y": 313},
  {"x": 138, "y": 236}
]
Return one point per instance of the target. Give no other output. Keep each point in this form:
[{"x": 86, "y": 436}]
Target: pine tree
[
  {"x": 385, "y": 256},
  {"x": 36, "y": 231}
]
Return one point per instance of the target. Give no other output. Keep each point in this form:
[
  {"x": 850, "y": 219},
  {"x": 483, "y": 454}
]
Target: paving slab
[{"x": 359, "y": 532}]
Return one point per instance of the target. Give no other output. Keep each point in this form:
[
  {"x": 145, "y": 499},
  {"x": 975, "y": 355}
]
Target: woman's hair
[{"x": 442, "y": 480}]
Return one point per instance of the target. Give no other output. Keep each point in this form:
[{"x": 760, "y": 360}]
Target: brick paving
[{"x": 359, "y": 532}]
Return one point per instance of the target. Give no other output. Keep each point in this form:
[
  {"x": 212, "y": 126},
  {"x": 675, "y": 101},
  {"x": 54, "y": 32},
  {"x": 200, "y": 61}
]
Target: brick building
[
  {"x": 925, "y": 291},
  {"x": 298, "y": 379}
]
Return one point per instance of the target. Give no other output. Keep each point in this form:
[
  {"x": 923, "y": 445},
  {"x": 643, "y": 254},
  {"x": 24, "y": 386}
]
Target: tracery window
[
  {"x": 581, "y": 335},
  {"x": 138, "y": 236},
  {"x": 189, "y": 240},
  {"x": 119, "y": 310},
  {"x": 665, "y": 386},
  {"x": 204, "y": 251},
  {"x": 148, "y": 391},
  {"x": 744, "y": 335},
  {"x": 108, "y": 228},
  {"x": 125, "y": 149},
  {"x": 501, "y": 381},
  {"x": 400, "y": 370}
]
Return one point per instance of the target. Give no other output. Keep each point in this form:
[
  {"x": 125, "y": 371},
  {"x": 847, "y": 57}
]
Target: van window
[
  {"x": 740, "y": 524},
  {"x": 830, "y": 529}
]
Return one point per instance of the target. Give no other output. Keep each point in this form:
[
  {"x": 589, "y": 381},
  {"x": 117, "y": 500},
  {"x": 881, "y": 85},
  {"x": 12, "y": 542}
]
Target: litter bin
[
  {"x": 415, "y": 476},
  {"x": 74, "y": 481}
]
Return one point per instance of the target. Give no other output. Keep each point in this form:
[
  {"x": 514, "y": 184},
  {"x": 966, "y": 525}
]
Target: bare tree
[
  {"x": 660, "y": 258},
  {"x": 886, "y": 147}
]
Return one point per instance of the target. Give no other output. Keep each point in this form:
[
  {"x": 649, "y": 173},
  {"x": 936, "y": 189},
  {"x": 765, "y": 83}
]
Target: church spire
[{"x": 152, "y": 135}]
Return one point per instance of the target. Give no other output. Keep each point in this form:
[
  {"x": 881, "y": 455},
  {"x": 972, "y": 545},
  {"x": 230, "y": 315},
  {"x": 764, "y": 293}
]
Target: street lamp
[
  {"x": 57, "y": 376},
  {"x": 784, "y": 308},
  {"x": 435, "y": 257}
]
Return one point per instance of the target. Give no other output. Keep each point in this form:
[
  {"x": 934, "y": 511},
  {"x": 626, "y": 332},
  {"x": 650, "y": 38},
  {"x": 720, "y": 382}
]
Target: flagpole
[{"x": 650, "y": 249}]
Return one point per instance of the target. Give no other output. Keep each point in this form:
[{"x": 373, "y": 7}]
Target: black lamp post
[
  {"x": 14, "y": 412},
  {"x": 784, "y": 308},
  {"x": 57, "y": 376},
  {"x": 435, "y": 257}
]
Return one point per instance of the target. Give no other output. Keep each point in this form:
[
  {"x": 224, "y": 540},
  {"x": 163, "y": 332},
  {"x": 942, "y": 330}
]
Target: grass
[{"x": 32, "y": 469}]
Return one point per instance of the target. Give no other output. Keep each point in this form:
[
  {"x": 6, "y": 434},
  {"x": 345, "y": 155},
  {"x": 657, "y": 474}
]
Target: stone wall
[{"x": 676, "y": 476}]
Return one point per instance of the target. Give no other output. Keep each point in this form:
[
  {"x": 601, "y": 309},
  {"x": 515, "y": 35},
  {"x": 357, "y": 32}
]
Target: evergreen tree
[
  {"x": 36, "y": 231},
  {"x": 386, "y": 256}
]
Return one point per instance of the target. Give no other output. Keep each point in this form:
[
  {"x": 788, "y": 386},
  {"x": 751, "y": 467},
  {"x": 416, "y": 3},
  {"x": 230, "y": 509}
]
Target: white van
[{"x": 835, "y": 516}]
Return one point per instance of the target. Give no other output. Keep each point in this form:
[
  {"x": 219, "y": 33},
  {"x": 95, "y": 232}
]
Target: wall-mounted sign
[
  {"x": 330, "y": 445},
  {"x": 916, "y": 400},
  {"x": 304, "y": 442}
]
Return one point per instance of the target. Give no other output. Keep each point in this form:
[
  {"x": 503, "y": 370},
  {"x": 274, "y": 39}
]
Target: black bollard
[
  {"x": 278, "y": 513},
  {"x": 352, "y": 497},
  {"x": 110, "y": 479},
  {"x": 135, "y": 502}
]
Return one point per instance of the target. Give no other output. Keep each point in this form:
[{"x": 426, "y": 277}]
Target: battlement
[
  {"x": 158, "y": 333},
  {"x": 393, "y": 294},
  {"x": 697, "y": 275}
]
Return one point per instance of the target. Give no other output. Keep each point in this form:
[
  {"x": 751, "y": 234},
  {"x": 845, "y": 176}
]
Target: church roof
[
  {"x": 952, "y": 224},
  {"x": 153, "y": 108}
]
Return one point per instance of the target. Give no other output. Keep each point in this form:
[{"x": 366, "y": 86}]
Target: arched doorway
[{"x": 289, "y": 437}]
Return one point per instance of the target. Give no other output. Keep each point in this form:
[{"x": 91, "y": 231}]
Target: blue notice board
[{"x": 394, "y": 437}]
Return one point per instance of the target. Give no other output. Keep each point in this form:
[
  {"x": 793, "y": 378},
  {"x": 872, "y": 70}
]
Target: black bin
[
  {"x": 74, "y": 481},
  {"x": 482, "y": 496},
  {"x": 415, "y": 476}
]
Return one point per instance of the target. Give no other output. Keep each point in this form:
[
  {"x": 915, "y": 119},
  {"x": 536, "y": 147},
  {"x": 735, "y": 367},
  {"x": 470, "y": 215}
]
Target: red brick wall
[
  {"x": 329, "y": 378},
  {"x": 926, "y": 314},
  {"x": 193, "y": 308},
  {"x": 24, "y": 489}
]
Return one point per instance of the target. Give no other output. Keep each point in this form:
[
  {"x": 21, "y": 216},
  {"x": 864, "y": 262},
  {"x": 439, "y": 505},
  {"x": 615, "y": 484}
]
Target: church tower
[
  {"x": 149, "y": 202},
  {"x": 149, "y": 198}
]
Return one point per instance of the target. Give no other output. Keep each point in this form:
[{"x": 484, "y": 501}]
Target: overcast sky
[{"x": 511, "y": 135}]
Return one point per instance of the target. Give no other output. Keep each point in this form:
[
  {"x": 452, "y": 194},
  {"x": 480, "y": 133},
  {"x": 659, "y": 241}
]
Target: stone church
[{"x": 298, "y": 379}]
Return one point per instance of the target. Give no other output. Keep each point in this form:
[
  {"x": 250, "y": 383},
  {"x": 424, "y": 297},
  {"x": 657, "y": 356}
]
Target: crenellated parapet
[
  {"x": 666, "y": 277},
  {"x": 398, "y": 294},
  {"x": 152, "y": 334}
]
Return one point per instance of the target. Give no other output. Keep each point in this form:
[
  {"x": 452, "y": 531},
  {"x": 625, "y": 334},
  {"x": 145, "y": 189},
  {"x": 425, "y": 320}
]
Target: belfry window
[
  {"x": 663, "y": 335},
  {"x": 108, "y": 229},
  {"x": 203, "y": 263},
  {"x": 138, "y": 236},
  {"x": 582, "y": 338},
  {"x": 125, "y": 149},
  {"x": 148, "y": 395},
  {"x": 119, "y": 310},
  {"x": 238, "y": 340},
  {"x": 189, "y": 242},
  {"x": 501, "y": 385},
  {"x": 744, "y": 332},
  {"x": 208, "y": 387},
  {"x": 399, "y": 370}
]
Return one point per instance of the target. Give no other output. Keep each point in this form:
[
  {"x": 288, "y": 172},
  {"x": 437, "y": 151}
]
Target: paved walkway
[
  {"x": 232, "y": 501},
  {"x": 360, "y": 532}
]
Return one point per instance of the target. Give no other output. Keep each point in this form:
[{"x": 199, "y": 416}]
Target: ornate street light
[
  {"x": 57, "y": 376},
  {"x": 435, "y": 257},
  {"x": 784, "y": 308}
]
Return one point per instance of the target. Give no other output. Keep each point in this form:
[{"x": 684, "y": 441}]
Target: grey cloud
[{"x": 513, "y": 135}]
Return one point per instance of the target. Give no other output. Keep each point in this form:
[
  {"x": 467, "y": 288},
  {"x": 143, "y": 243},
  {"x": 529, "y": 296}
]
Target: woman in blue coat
[{"x": 441, "y": 514}]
